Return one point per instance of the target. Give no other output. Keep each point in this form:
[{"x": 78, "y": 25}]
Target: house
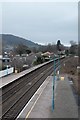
[
  {"x": 23, "y": 62},
  {"x": 5, "y": 62},
  {"x": 48, "y": 54}
]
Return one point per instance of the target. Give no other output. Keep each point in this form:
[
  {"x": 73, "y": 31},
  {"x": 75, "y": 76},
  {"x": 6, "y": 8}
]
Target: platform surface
[{"x": 40, "y": 105}]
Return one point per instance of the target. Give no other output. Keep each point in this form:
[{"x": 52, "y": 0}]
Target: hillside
[{"x": 9, "y": 41}]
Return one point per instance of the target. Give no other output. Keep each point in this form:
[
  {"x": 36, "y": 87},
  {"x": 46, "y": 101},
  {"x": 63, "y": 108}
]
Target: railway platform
[
  {"x": 40, "y": 105},
  {"x": 12, "y": 77}
]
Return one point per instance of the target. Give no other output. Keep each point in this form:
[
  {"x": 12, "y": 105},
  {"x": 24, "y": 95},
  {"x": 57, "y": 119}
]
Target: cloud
[{"x": 41, "y": 22}]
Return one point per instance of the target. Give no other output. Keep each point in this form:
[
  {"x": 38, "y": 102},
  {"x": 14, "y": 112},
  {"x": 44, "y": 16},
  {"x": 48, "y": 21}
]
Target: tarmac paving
[{"x": 41, "y": 104}]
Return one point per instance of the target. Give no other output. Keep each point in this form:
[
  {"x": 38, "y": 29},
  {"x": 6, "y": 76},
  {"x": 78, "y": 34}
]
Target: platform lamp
[
  {"x": 59, "y": 50},
  {"x": 58, "y": 66},
  {"x": 54, "y": 67},
  {"x": 53, "y": 84}
]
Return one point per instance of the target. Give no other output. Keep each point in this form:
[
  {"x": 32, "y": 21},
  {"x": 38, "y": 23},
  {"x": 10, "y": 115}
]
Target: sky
[{"x": 41, "y": 22}]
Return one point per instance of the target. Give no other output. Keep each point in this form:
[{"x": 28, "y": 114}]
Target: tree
[
  {"x": 79, "y": 52},
  {"x": 39, "y": 59},
  {"x": 58, "y": 45},
  {"x": 49, "y": 48},
  {"x": 73, "y": 47},
  {"x": 72, "y": 43},
  {"x": 28, "y": 51},
  {"x": 67, "y": 52},
  {"x": 0, "y": 46},
  {"x": 34, "y": 49},
  {"x": 22, "y": 49}
]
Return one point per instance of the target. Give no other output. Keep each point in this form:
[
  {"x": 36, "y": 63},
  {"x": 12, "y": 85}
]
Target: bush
[{"x": 38, "y": 61}]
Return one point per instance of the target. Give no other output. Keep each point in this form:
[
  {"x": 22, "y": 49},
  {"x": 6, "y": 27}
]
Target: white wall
[{"x": 6, "y": 72}]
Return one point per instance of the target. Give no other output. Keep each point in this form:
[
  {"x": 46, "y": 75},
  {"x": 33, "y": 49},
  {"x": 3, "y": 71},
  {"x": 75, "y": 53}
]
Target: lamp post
[
  {"x": 54, "y": 78},
  {"x": 54, "y": 67},
  {"x": 58, "y": 66}
]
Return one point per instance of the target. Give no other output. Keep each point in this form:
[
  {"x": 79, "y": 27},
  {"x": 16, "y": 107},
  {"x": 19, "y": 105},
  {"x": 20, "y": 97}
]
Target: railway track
[{"x": 16, "y": 94}]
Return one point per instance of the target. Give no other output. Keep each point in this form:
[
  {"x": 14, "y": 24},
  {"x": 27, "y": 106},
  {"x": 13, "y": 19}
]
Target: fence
[{"x": 6, "y": 72}]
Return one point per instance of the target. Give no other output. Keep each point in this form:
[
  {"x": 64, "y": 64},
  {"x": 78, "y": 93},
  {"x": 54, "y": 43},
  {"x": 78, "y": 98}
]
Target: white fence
[{"x": 6, "y": 72}]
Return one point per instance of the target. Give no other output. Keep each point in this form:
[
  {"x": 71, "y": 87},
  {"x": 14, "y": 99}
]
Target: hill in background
[{"x": 9, "y": 41}]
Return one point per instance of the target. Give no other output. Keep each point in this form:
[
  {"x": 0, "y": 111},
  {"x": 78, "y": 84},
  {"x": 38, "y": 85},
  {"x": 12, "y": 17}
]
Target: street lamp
[
  {"x": 54, "y": 68},
  {"x": 58, "y": 66},
  {"x": 54, "y": 78}
]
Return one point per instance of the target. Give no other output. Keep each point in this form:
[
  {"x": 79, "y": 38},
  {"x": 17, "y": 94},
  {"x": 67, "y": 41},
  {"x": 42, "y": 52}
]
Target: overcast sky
[{"x": 41, "y": 22}]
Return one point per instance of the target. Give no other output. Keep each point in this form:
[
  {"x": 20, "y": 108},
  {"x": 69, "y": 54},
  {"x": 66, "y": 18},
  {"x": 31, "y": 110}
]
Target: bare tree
[
  {"x": 72, "y": 42},
  {"x": 0, "y": 47},
  {"x": 73, "y": 47},
  {"x": 22, "y": 49}
]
